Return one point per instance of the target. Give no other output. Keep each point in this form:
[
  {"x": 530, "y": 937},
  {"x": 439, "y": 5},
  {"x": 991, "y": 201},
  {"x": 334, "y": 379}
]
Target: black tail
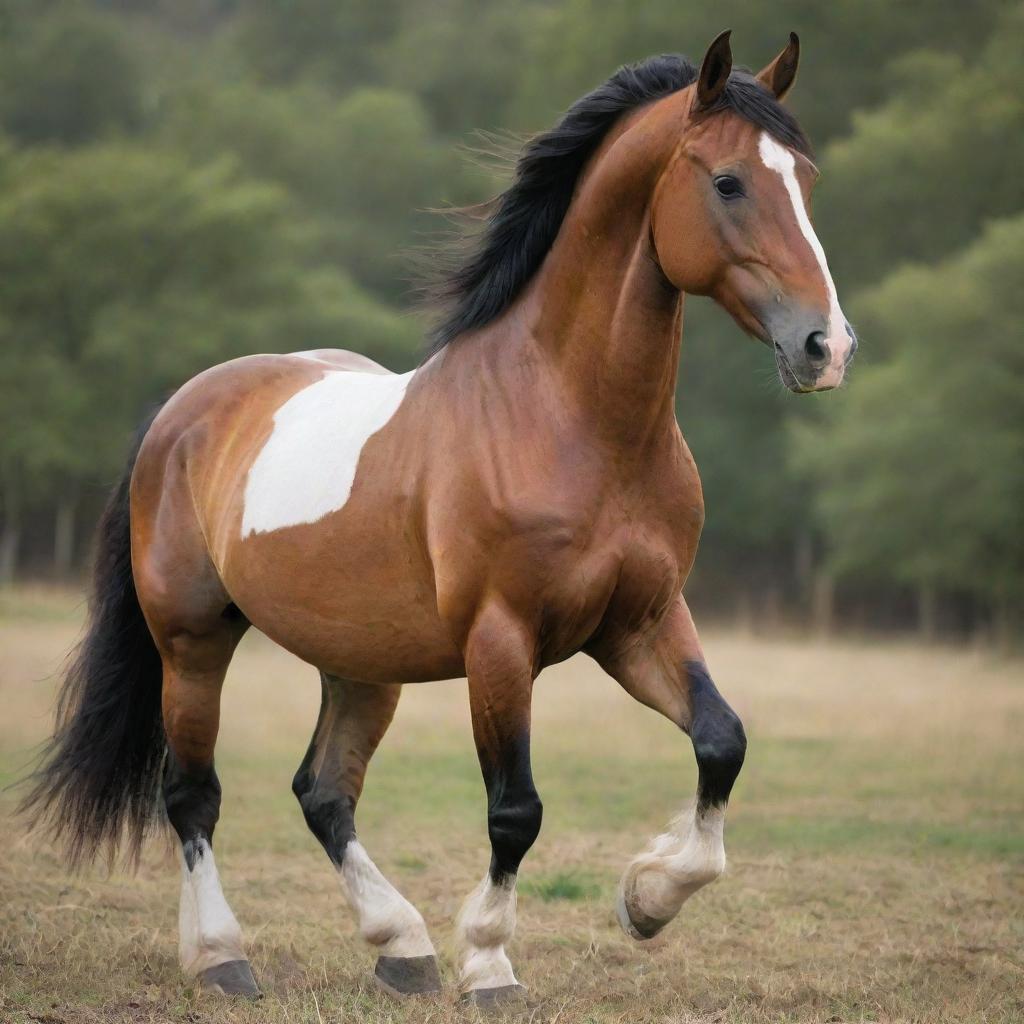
[{"x": 99, "y": 778}]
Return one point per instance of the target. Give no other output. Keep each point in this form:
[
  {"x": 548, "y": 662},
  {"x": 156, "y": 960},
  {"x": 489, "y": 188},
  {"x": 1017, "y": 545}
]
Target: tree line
[{"x": 184, "y": 181}]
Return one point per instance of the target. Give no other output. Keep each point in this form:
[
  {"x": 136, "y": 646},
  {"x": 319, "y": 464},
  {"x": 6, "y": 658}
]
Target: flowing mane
[{"x": 527, "y": 216}]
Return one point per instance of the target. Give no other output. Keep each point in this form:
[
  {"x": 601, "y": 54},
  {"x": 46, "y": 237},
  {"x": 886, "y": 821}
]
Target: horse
[{"x": 523, "y": 495}]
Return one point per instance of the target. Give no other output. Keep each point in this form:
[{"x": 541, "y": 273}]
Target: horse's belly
[{"x": 352, "y": 604}]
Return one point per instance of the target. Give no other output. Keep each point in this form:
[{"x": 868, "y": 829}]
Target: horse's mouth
[
  {"x": 792, "y": 381},
  {"x": 789, "y": 378}
]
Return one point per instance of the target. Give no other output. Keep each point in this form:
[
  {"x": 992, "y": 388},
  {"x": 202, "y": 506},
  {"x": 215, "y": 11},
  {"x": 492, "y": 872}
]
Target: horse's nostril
[{"x": 815, "y": 349}]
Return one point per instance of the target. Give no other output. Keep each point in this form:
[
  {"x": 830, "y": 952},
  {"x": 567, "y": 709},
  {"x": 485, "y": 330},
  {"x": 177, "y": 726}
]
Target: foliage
[
  {"x": 187, "y": 181},
  {"x": 67, "y": 75},
  {"x": 124, "y": 271},
  {"x": 922, "y": 465},
  {"x": 920, "y": 175}
]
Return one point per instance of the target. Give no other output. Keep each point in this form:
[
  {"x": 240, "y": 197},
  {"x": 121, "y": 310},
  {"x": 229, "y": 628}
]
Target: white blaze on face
[
  {"x": 778, "y": 158},
  {"x": 208, "y": 933},
  {"x": 387, "y": 919},
  {"x": 307, "y": 467}
]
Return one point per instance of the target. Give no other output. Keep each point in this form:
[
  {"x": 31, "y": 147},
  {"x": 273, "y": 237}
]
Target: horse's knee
[
  {"x": 513, "y": 823},
  {"x": 719, "y": 741}
]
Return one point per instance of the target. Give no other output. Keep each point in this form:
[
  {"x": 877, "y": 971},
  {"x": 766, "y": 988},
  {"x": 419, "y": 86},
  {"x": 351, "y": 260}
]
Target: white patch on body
[
  {"x": 208, "y": 933},
  {"x": 676, "y": 864},
  {"x": 387, "y": 919},
  {"x": 486, "y": 923},
  {"x": 778, "y": 158},
  {"x": 307, "y": 466}
]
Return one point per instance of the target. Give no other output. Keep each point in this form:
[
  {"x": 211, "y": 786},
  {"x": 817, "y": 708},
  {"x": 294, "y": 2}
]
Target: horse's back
[{"x": 218, "y": 421}]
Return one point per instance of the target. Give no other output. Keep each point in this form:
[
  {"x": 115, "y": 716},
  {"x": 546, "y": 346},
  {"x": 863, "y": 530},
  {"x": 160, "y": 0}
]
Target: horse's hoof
[
  {"x": 403, "y": 976},
  {"x": 233, "y": 978},
  {"x": 500, "y": 998},
  {"x": 643, "y": 929}
]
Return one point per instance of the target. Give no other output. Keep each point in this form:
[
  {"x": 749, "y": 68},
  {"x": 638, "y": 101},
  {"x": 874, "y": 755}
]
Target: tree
[
  {"x": 921, "y": 469},
  {"x": 363, "y": 179},
  {"x": 338, "y": 43},
  {"x": 124, "y": 271},
  {"x": 67, "y": 75},
  {"x": 846, "y": 46},
  {"x": 919, "y": 176}
]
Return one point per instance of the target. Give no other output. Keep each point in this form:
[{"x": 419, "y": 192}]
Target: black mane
[{"x": 528, "y": 214}]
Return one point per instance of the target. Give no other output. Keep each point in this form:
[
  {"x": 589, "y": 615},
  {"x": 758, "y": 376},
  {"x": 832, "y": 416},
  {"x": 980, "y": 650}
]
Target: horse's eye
[{"x": 728, "y": 187}]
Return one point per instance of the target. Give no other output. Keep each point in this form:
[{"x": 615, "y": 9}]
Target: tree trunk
[
  {"x": 1004, "y": 621},
  {"x": 10, "y": 534},
  {"x": 823, "y": 601},
  {"x": 64, "y": 536},
  {"x": 803, "y": 567},
  {"x": 744, "y": 612},
  {"x": 927, "y": 611},
  {"x": 771, "y": 611},
  {"x": 10, "y": 543}
]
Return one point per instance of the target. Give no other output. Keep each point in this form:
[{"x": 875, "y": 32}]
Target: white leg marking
[
  {"x": 486, "y": 923},
  {"x": 778, "y": 158},
  {"x": 208, "y": 933},
  {"x": 675, "y": 865},
  {"x": 387, "y": 919},
  {"x": 307, "y": 466}
]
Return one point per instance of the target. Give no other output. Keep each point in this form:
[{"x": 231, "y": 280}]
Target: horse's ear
[
  {"x": 714, "y": 72},
  {"x": 778, "y": 76}
]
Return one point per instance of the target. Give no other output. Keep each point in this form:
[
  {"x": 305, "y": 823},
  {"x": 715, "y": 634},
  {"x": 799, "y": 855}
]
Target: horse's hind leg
[
  {"x": 210, "y": 939},
  {"x": 196, "y": 630},
  {"x": 353, "y": 719}
]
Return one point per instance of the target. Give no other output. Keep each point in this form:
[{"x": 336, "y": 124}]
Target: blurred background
[{"x": 185, "y": 181}]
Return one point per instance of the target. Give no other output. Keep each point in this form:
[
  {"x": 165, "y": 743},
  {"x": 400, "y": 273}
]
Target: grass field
[{"x": 876, "y": 842}]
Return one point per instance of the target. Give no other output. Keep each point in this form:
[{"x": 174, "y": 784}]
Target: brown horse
[{"x": 524, "y": 495}]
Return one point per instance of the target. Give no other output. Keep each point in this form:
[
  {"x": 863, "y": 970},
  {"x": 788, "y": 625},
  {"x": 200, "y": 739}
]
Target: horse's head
[{"x": 731, "y": 219}]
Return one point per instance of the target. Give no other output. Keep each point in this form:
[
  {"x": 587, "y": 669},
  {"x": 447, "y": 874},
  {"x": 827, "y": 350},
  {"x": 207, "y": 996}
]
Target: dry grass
[{"x": 876, "y": 845}]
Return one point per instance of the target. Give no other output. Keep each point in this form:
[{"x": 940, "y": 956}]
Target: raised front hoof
[
  {"x": 403, "y": 976},
  {"x": 504, "y": 997},
  {"x": 636, "y": 925},
  {"x": 233, "y": 978}
]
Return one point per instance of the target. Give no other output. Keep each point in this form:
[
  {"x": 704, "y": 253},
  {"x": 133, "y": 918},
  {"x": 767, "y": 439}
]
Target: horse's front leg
[
  {"x": 667, "y": 672},
  {"x": 499, "y": 654}
]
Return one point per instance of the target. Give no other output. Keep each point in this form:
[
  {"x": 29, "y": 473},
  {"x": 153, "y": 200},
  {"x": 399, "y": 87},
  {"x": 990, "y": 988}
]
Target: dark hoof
[
  {"x": 408, "y": 975},
  {"x": 500, "y": 998},
  {"x": 233, "y": 978},
  {"x": 641, "y": 928}
]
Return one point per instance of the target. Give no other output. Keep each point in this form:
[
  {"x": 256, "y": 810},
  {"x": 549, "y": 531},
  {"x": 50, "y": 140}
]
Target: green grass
[
  {"x": 875, "y": 840},
  {"x": 571, "y": 886}
]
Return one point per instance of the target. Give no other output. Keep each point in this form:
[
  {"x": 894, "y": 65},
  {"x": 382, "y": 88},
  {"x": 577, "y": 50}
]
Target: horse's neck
[{"x": 604, "y": 312}]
